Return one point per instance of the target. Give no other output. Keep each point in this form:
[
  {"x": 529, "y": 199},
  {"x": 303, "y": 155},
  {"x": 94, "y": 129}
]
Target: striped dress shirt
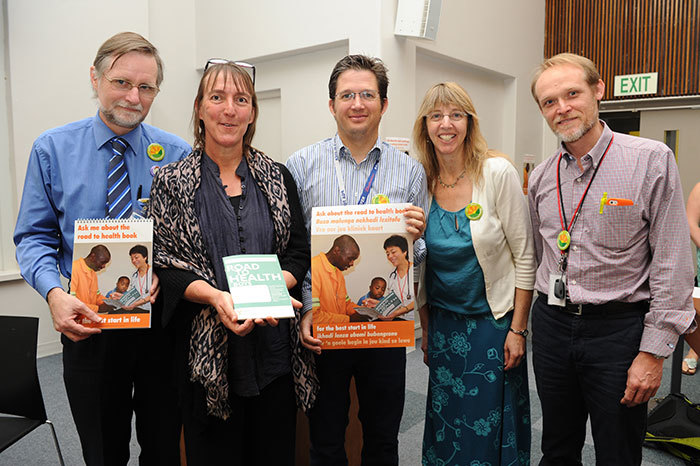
[
  {"x": 399, "y": 177},
  {"x": 627, "y": 253}
]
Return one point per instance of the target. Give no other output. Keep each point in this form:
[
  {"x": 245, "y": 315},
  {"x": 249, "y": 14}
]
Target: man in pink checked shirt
[{"x": 615, "y": 271}]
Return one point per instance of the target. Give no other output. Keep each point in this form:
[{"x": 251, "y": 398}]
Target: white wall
[
  {"x": 652, "y": 125},
  {"x": 490, "y": 45},
  {"x": 500, "y": 37},
  {"x": 8, "y": 188},
  {"x": 268, "y": 127},
  {"x": 301, "y": 78}
]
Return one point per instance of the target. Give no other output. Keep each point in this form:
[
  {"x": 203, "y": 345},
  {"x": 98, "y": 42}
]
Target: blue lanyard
[{"x": 341, "y": 184}]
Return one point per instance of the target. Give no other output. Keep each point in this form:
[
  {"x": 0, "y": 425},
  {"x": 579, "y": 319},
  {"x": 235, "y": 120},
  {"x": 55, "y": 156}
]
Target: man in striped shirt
[
  {"x": 615, "y": 272},
  {"x": 353, "y": 167}
]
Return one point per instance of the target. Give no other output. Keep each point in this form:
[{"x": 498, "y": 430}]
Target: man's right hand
[{"x": 65, "y": 312}]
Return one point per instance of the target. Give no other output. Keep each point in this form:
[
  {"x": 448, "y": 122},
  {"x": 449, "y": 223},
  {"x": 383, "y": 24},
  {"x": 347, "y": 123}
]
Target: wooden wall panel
[{"x": 631, "y": 36}]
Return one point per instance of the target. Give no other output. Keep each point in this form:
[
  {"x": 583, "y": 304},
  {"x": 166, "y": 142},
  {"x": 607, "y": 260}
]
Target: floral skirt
[{"x": 477, "y": 414}]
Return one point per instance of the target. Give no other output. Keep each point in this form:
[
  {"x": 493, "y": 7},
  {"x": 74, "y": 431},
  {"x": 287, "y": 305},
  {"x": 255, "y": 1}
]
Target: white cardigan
[{"x": 502, "y": 237}]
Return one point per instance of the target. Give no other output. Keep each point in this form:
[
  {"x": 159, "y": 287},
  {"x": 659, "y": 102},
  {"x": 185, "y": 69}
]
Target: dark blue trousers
[
  {"x": 581, "y": 371},
  {"x": 380, "y": 378}
]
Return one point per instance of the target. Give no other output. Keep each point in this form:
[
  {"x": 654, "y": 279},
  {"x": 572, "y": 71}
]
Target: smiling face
[
  {"x": 138, "y": 260},
  {"x": 569, "y": 104},
  {"x": 226, "y": 111},
  {"x": 395, "y": 256},
  {"x": 122, "y": 110},
  {"x": 446, "y": 135},
  {"x": 357, "y": 118}
]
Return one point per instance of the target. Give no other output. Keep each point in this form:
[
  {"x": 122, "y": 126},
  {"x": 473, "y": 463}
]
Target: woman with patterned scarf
[{"x": 238, "y": 380}]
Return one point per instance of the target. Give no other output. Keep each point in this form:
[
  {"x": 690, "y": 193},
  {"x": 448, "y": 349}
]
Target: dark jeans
[
  {"x": 581, "y": 370},
  {"x": 260, "y": 432},
  {"x": 113, "y": 375},
  {"x": 380, "y": 378}
]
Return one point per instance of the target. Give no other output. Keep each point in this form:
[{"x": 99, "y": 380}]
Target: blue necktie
[{"x": 118, "y": 189}]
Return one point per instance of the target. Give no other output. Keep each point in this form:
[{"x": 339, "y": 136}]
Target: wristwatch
[{"x": 522, "y": 333}]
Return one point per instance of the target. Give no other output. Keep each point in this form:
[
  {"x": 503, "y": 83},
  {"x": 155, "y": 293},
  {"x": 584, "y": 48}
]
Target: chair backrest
[{"x": 20, "y": 392}]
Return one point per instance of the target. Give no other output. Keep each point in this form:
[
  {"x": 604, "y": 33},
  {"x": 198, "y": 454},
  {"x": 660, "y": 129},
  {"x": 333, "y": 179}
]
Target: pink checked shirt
[{"x": 627, "y": 253}]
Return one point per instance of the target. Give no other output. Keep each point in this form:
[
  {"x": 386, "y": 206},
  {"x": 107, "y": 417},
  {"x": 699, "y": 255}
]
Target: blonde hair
[
  {"x": 475, "y": 146},
  {"x": 591, "y": 74}
]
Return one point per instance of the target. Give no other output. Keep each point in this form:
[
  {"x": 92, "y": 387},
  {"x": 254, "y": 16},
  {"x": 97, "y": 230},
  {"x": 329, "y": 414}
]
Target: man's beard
[
  {"x": 120, "y": 117},
  {"x": 579, "y": 133}
]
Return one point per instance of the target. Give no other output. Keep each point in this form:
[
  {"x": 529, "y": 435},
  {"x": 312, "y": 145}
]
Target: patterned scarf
[{"x": 178, "y": 243}]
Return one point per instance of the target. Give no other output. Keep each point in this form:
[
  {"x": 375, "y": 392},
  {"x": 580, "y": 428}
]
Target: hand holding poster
[
  {"x": 362, "y": 251},
  {"x": 111, "y": 271}
]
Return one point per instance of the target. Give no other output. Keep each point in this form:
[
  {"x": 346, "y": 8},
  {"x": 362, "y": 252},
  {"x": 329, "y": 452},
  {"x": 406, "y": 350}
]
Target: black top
[{"x": 264, "y": 354}]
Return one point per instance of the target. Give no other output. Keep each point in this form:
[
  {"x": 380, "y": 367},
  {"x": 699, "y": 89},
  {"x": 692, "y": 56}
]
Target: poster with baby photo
[
  {"x": 112, "y": 271},
  {"x": 362, "y": 277}
]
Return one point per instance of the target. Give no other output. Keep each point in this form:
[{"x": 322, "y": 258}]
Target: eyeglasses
[
  {"x": 250, "y": 69},
  {"x": 366, "y": 96},
  {"x": 437, "y": 117},
  {"x": 145, "y": 90}
]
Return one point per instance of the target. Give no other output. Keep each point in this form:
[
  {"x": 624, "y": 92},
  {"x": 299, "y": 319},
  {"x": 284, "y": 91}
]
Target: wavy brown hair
[
  {"x": 475, "y": 147},
  {"x": 242, "y": 80}
]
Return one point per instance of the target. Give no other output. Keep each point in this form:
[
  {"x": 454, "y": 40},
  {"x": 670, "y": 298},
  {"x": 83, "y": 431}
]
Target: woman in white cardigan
[{"x": 479, "y": 277}]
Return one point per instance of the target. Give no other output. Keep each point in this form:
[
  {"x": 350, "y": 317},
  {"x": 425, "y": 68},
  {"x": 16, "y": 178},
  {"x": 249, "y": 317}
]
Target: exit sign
[{"x": 636, "y": 84}]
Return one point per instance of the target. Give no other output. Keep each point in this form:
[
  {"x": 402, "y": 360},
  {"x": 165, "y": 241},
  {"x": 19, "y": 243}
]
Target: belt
[{"x": 611, "y": 307}]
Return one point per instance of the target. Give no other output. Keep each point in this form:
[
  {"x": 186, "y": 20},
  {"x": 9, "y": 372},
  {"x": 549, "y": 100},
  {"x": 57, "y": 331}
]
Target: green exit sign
[{"x": 636, "y": 84}]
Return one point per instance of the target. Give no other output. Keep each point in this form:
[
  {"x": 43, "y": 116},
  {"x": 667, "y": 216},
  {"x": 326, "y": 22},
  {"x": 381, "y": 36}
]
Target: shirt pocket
[{"x": 617, "y": 227}]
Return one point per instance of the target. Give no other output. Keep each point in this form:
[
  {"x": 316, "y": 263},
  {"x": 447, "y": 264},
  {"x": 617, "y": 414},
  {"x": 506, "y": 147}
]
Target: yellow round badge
[
  {"x": 563, "y": 240},
  {"x": 473, "y": 211},
  {"x": 156, "y": 152},
  {"x": 380, "y": 199}
]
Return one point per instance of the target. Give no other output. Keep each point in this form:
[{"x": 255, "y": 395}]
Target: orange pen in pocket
[
  {"x": 613, "y": 201},
  {"x": 619, "y": 201}
]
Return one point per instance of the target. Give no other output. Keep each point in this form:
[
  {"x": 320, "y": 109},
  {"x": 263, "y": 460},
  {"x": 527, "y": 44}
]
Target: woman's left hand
[
  {"x": 396, "y": 313},
  {"x": 415, "y": 221},
  {"x": 513, "y": 350}
]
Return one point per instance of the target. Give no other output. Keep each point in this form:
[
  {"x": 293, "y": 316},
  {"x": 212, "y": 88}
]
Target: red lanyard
[
  {"x": 562, "y": 212},
  {"x": 401, "y": 288}
]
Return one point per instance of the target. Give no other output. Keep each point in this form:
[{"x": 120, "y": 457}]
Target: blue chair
[{"x": 21, "y": 403}]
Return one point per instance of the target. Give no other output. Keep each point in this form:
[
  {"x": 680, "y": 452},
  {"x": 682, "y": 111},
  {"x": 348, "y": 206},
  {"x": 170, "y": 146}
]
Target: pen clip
[{"x": 603, "y": 201}]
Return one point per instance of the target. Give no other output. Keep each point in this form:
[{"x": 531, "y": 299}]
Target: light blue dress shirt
[
  {"x": 67, "y": 180},
  {"x": 399, "y": 177}
]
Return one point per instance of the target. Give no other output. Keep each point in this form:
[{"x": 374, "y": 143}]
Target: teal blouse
[{"x": 454, "y": 279}]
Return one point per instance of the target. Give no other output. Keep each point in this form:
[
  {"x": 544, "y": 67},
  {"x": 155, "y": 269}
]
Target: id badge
[{"x": 557, "y": 290}]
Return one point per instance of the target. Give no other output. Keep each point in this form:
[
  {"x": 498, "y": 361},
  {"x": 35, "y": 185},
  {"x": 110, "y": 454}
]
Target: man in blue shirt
[
  {"x": 108, "y": 375},
  {"x": 353, "y": 168}
]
